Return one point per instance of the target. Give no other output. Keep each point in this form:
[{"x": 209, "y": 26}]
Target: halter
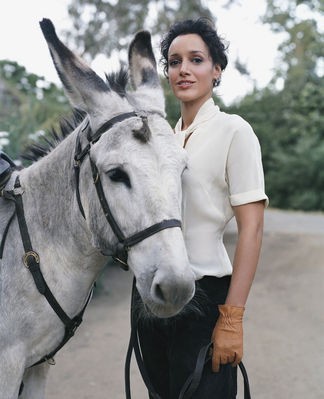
[
  {"x": 120, "y": 253},
  {"x": 31, "y": 258}
]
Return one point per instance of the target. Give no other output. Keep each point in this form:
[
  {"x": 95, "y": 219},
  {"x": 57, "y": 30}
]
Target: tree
[
  {"x": 290, "y": 121},
  {"x": 101, "y": 26},
  {"x": 30, "y": 106},
  {"x": 303, "y": 47}
]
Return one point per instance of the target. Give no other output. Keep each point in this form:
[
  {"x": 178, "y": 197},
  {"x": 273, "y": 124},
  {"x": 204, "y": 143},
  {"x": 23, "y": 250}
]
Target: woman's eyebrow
[{"x": 190, "y": 52}]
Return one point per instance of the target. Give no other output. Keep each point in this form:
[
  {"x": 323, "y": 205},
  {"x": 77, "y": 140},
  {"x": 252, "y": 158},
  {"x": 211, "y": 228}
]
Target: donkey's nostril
[
  {"x": 172, "y": 293},
  {"x": 158, "y": 292}
]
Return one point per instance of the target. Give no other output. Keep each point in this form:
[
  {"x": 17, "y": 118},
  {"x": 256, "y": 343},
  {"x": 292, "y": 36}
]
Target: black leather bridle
[
  {"x": 31, "y": 258},
  {"x": 120, "y": 252}
]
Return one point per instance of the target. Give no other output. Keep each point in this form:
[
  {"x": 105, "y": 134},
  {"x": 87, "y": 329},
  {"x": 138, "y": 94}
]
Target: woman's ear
[
  {"x": 217, "y": 75},
  {"x": 217, "y": 72}
]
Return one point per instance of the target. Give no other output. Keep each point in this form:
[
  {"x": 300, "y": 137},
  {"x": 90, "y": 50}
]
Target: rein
[
  {"x": 124, "y": 243},
  {"x": 191, "y": 384}
]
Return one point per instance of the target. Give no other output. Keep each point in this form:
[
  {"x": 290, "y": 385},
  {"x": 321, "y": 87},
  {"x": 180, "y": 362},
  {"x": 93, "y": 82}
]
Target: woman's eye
[
  {"x": 118, "y": 175},
  {"x": 197, "y": 60},
  {"x": 174, "y": 62}
]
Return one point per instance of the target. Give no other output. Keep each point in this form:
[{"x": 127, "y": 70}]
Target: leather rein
[{"x": 192, "y": 382}]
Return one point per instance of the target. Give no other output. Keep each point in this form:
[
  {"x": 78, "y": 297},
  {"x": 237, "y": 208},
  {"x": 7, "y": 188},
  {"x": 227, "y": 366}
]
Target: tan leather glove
[{"x": 227, "y": 337}]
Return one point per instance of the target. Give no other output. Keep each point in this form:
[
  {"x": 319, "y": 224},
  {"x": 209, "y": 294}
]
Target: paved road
[{"x": 284, "y": 322}]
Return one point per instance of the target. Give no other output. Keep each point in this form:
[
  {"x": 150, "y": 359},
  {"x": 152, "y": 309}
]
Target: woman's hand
[
  {"x": 228, "y": 337},
  {"x": 228, "y": 332}
]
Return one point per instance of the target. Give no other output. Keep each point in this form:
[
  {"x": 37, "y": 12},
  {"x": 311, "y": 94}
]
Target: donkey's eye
[{"x": 118, "y": 175}]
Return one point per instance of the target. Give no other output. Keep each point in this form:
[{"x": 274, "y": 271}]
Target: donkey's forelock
[{"x": 117, "y": 81}]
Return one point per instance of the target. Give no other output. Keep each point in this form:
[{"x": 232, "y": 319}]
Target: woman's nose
[{"x": 184, "y": 69}]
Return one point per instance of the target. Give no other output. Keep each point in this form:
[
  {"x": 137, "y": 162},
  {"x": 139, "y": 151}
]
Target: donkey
[{"x": 111, "y": 187}]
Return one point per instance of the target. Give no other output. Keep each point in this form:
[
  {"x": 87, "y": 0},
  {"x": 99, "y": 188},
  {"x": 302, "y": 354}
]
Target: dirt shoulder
[{"x": 284, "y": 322}]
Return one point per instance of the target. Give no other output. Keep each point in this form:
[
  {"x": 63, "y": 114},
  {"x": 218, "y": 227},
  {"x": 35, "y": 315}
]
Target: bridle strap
[
  {"x": 110, "y": 123},
  {"x": 78, "y": 157},
  {"x": 104, "y": 204},
  {"x": 81, "y": 153},
  {"x": 149, "y": 231},
  {"x": 31, "y": 260},
  {"x": 125, "y": 243},
  {"x": 120, "y": 253},
  {"x": 137, "y": 237}
]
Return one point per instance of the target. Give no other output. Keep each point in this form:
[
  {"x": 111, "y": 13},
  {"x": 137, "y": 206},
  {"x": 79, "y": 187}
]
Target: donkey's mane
[
  {"x": 117, "y": 81},
  {"x": 46, "y": 144}
]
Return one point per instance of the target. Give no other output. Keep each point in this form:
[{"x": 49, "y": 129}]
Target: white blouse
[{"x": 224, "y": 170}]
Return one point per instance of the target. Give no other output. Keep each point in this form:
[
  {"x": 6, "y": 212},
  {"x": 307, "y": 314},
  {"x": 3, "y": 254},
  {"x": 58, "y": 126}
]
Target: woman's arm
[
  {"x": 228, "y": 332},
  {"x": 249, "y": 218}
]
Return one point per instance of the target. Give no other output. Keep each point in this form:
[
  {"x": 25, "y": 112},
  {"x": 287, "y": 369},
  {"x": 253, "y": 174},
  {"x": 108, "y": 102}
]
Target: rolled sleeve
[
  {"x": 250, "y": 196},
  {"x": 244, "y": 167}
]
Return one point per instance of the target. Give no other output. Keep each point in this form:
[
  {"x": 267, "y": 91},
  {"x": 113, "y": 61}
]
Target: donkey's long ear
[
  {"x": 142, "y": 62},
  {"x": 80, "y": 82}
]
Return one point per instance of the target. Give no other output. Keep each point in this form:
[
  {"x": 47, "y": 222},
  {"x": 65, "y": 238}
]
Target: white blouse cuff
[{"x": 249, "y": 196}]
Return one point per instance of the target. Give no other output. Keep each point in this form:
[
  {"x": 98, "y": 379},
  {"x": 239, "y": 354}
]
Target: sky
[{"x": 21, "y": 40}]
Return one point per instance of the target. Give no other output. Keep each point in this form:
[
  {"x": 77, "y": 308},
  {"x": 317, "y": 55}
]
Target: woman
[{"x": 224, "y": 179}]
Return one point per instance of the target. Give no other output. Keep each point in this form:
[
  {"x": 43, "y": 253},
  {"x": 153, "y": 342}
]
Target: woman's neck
[{"x": 189, "y": 111}]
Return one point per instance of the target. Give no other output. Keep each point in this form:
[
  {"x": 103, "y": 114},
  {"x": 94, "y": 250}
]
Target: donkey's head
[{"x": 136, "y": 166}]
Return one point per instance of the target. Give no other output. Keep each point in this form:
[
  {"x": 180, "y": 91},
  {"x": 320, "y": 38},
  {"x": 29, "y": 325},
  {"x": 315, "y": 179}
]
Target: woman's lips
[{"x": 185, "y": 84}]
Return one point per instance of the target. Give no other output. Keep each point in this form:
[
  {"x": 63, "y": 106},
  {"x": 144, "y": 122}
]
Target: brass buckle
[
  {"x": 26, "y": 256},
  {"x": 122, "y": 264},
  {"x": 51, "y": 361},
  {"x": 95, "y": 179}
]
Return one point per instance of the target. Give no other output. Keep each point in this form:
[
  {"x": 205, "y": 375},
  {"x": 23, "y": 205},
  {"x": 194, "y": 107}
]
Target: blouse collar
[{"x": 206, "y": 111}]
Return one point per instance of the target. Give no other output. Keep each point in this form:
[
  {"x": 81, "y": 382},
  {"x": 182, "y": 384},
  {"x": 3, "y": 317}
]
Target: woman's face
[{"x": 191, "y": 70}]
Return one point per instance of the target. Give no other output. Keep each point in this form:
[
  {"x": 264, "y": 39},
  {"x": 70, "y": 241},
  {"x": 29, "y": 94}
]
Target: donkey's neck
[
  {"x": 57, "y": 229},
  {"x": 50, "y": 202}
]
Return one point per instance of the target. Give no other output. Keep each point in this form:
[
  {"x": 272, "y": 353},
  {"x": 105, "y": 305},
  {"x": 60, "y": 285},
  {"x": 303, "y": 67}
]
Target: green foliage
[
  {"x": 101, "y": 26},
  {"x": 172, "y": 106},
  {"x": 303, "y": 46},
  {"x": 290, "y": 128},
  {"x": 290, "y": 122},
  {"x": 30, "y": 105}
]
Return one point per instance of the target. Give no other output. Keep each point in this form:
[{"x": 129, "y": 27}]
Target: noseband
[{"x": 120, "y": 253}]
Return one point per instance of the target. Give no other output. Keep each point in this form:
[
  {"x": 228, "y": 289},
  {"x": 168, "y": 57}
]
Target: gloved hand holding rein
[{"x": 227, "y": 337}]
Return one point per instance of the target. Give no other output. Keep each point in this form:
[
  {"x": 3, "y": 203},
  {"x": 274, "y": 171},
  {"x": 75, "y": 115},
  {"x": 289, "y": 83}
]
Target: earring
[{"x": 216, "y": 82}]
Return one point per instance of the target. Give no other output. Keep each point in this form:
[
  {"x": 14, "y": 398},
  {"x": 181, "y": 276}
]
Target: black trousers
[{"x": 170, "y": 346}]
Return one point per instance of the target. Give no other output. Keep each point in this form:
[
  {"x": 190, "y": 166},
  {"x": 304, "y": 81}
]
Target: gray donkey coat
[{"x": 139, "y": 166}]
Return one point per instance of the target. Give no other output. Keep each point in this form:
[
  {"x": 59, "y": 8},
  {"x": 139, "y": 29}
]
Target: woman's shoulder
[
  {"x": 239, "y": 129},
  {"x": 234, "y": 121},
  {"x": 212, "y": 118}
]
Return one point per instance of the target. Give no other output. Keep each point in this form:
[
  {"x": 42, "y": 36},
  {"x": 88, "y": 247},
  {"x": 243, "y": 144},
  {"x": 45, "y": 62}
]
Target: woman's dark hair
[{"x": 205, "y": 29}]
